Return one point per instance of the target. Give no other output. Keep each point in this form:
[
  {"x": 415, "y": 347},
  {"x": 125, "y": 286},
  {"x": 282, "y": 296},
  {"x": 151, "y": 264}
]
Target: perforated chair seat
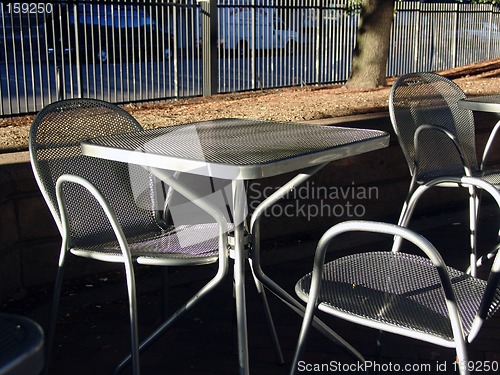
[
  {"x": 492, "y": 177},
  {"x": 416, "y": 296},
  {"x": 399, "y": 290},
  {"x": 21, "y": 345},
  {"x": 185, "y": 244}
]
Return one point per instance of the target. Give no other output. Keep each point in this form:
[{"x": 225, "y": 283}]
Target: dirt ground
[{"x": 288, "y": 104}]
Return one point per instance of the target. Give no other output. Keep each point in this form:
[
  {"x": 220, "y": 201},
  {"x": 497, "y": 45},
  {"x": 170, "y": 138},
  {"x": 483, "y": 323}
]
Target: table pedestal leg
[
  {"x": 239, "y": 274},
  {"x": 270, "y": 284}
]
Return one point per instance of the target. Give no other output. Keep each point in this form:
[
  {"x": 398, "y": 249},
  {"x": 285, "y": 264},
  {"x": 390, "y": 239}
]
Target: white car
[
  {"x": 262, "y": 29},
  {"x": 481, "y": 30}
]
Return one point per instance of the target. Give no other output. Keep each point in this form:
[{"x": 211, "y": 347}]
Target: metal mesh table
[
  {"x": 21, "y": 345},
  {"x": 238, "y": 150},
  {"x": 487, "y": 103}
]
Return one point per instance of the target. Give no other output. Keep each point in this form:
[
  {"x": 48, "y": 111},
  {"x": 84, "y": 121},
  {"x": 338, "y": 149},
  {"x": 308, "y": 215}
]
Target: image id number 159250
[
  {"x": 29, "y": 8},
  {"x": 477, "y": 366}
]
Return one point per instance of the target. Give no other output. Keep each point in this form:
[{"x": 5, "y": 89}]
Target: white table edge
[{"x": 233, "y": 172}]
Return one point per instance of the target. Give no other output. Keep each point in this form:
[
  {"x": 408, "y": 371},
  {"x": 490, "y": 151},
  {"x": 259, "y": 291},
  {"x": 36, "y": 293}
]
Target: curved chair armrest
[
  {"x": 117, "y": 229},
  {"x": 375, "y": 227},
  {"x": 489, "y": 144},
  {"x": 465, "y": 181},
  {"x": 394, "y": 230},
  {"x": 108, "y": 211},
  {"x": 451, "y": 136}
]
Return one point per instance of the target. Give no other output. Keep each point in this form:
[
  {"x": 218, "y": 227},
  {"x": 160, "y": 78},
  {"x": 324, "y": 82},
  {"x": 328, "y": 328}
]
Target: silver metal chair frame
[
  {"x": 489, "y": 145},
  {"x": 451, "y": 136},
  {"x": 125, "y": 255},
  {"x": 21, "y": 345},
  {"x": 460, "y": 337}
]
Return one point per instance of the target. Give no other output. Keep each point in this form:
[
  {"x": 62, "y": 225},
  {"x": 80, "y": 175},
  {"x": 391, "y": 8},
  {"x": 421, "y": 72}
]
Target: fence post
[
  {"x": 209, "y": 38},
  {"x": 490, "y": 38},
  {"x": 319, "y": 42},
  {"x": 77, "y": 54},
  {"x": 455, "y": 40}
]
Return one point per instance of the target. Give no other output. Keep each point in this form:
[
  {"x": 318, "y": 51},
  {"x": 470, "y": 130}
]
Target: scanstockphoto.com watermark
[
  {"x": 434, "y": 367},
  {"x": 311, "y": 201}
]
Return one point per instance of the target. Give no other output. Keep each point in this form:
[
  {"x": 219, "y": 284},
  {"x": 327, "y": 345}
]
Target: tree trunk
[{"x": 372, "y": 45}]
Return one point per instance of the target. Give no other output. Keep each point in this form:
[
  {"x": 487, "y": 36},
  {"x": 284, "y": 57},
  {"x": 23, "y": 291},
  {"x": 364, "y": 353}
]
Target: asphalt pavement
[{"x": 92, "y": 332}]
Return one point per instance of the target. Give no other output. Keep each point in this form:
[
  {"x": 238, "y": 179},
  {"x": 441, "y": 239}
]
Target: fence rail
[{"x": 127, "y": 51}]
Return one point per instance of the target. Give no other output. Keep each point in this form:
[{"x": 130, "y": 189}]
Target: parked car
[
  {"x": 106, "y": 33},
  {"x": 271, "y": 33},
  {"x": 22, "y": 38},
  {"x": 481, "y": 30}
]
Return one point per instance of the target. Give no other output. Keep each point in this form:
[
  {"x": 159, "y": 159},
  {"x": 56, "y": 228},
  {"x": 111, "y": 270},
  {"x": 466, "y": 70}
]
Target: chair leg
[
  {"x": 163, "y": 292},
  {"x": 134, "y": 330},
  {"x": 473, "y": 217},
  {"x": 404, "y": 213},
  {"x": 379, "y": 347},
  {"x": 54, "y": 310},
  {"x": 268, "y": 316},
  {"x": 304, "y": 332},
  {"x": 146, "y": 343},
  {"x": 463, "y": 359}
]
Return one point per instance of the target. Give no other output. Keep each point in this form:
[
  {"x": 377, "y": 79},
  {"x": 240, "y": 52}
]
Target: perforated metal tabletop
[
  {"x": 486, "y": 103},
  {"x": 236, "y": 148}
]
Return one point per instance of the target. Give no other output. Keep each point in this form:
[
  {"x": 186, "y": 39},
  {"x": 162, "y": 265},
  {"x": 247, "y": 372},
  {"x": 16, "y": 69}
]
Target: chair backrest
[
  {"x": 428, "y": 98},
  {"x": 54, "y": 145}
]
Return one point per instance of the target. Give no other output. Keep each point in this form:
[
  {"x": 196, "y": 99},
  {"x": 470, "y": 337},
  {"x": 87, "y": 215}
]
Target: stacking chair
[
  {"x": 99, "y": 215},
  {"x": 412, "y": 293},
  {"x": 21, "y": 345},
  {"x": 438, "y": 138}
]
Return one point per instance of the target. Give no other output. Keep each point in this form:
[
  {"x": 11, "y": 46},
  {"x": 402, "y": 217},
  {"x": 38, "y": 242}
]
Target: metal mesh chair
[
  {"x": 416, "y": 296},
  {"x": 437, "y": 137},
  {"x": 21, "y": 345},
  {"x": 98, "y": 212}
]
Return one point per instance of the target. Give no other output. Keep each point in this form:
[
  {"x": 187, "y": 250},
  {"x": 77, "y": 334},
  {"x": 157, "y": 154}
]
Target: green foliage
[
  {"x": 352, "y": 6},
  {"x": 497, "y": 2}
]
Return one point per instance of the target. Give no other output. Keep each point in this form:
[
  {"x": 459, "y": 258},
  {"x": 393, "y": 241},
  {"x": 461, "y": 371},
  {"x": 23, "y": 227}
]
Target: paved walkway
[{"x": 92, "y": 334}]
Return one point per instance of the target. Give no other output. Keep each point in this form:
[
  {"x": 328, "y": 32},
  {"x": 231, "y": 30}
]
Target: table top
[
  {"x": 486, "y": 103},
  {"x": 236, "y": 148}
]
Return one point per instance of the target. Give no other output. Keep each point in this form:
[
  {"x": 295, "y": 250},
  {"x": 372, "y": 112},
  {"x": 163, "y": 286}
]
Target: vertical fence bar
[
  {"x": 77, "y": 54},
  {"x": 175, "y": 29},
  {"x": 455, "y": 40},
  {"x": 418, "y": 42},
  {"x": 209, "y": 37},
  {"x": 23, "y": 70},
  {"x": 319, "y": 40},
  {"x": 7, "y": 92},
  {"x": 116, "y": 50}
]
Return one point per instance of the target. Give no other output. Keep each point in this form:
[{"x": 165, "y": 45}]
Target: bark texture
[{"x": 372, "y": 45}]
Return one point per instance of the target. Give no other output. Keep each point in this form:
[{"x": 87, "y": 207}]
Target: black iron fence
[{"x": 126, "y": 51}]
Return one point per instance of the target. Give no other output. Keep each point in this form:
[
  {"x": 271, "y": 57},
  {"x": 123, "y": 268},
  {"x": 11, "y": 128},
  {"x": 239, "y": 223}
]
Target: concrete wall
[{"x": 29, "y": 240}]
